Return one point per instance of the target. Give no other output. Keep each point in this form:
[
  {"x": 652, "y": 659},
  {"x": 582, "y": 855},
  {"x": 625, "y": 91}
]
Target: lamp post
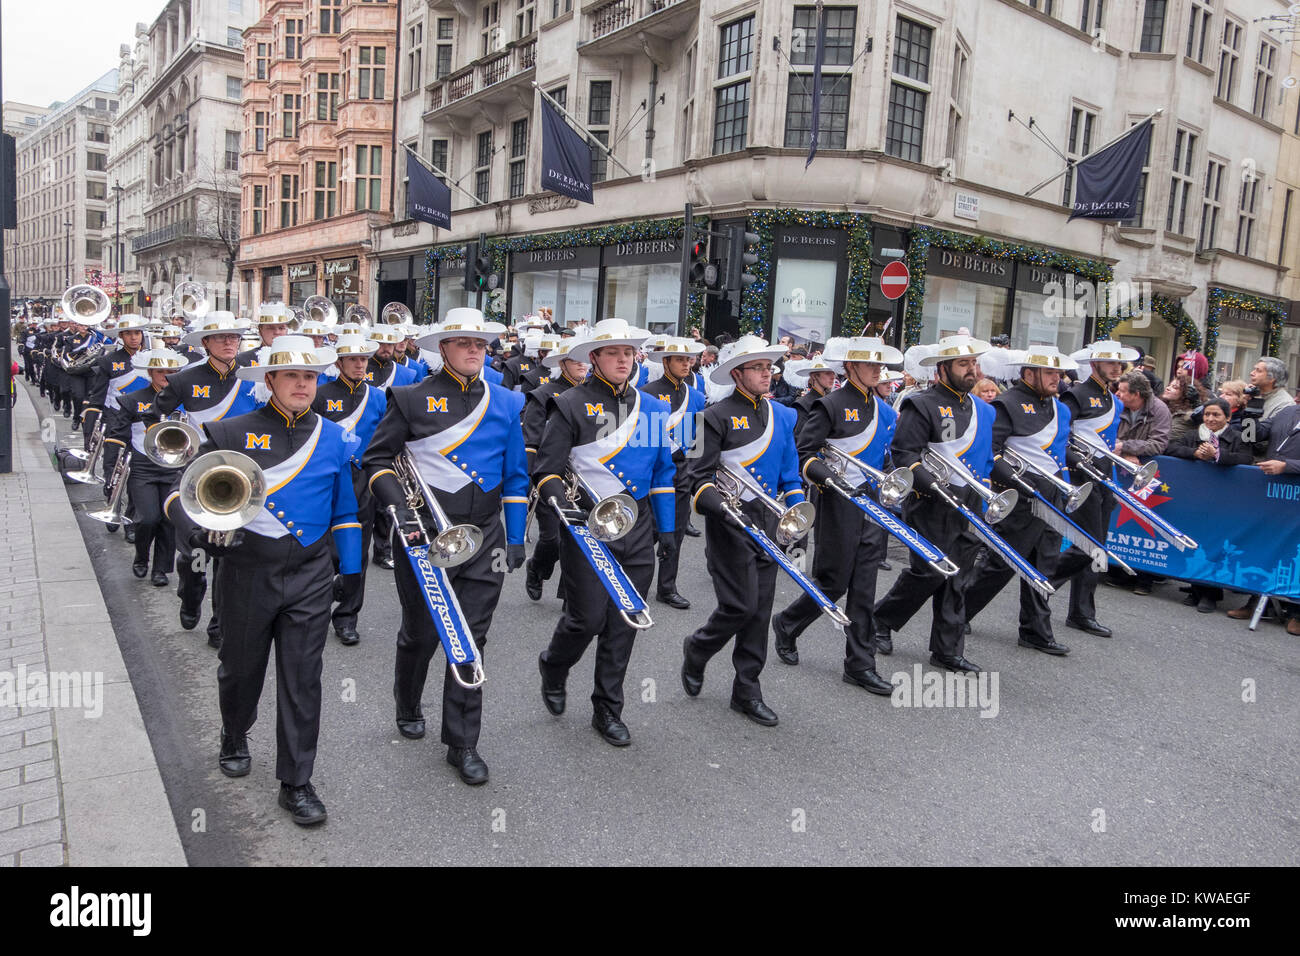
[
  {"x": 117, "y": 249},
  {"x": 67, "y": 253}
]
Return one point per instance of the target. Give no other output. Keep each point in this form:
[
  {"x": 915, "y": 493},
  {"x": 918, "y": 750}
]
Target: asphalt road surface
[{"x": 1134, "y": 750}]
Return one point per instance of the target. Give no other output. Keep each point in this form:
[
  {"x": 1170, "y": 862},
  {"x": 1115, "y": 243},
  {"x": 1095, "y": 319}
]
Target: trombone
[
  {"x": 1074, "y": 495},
  {"x": 1142, "y": 474},
  {"x": 451, "y": 544},
  {"x": 791, "y": 523},
  {"x": 222, "y": 491},
  {"x": 944, "y": 467},
  {"x": 893, "y": 488},
  {"x": 114, "y": 512},
  {"x": 172, "y": 442}
]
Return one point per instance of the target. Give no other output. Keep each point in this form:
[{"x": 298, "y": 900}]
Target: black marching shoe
[
  {"x": 214, "y": 640},
  {"x": 1088, "y": 624},
  {"x": 473, "y": 769},
  {"x": 692, "y": 676},
  {"x": 303, "y": 805},
  {"x": 188, "y": 618},
  {"x": 883, "y": 641},
  {"x": 76, "y": 425},
  {"x": 411, "y": 726},
  {"x": 1190, "y": 600},
  {"x": 869, "y": 681},
  {"x": 1050, "y": 646},
  {"x": 129, "y": 534},
  {"x": 673, "y": 600},
  {"x": 158, "y": 579},
  {"x": 553, "y": 692},
  {"x": 1207, "y": 605},
  {"x": 234, "y": 760},
  {"x": 347, "y": 634},
  {"x": 613, "y": 730},
  {"x": 691, "y": 530},
  {"x": 384, "y": 559},
  {"x": 958, "y": 665},
  {"x": 532, "y": 581},
  {"x": 755, "y": 710},
  {"x": 785, "y": 646},
  {"x": 140, "y": 569}
]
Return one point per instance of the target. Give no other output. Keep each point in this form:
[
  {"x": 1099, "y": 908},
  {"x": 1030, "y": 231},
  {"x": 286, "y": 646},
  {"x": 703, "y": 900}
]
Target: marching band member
[
  {"x": 1094, "y": 413},
  {"x": 206, "y": 392},
  {"x": 275, "y": 579},
  {"x": 273, "y": 320},
  {"x": 754, "y": 435},
  {"x": 526, "y": 360},
  {"x": 850, "y": 548},
  {"x": 540, "y": 373},
  {"x": 465, "y": 438},
  {"x": 358, "y": 407},
  {"x": 410, "y": 355},
  {"x": 674, "y": 356},
  {"x": 148, "y": 483},
  {"x": 613, "y": 438},
  {"x": 947, "y": 418},
  {"x": 112, "y": 374},
  {"x": 820, "y": 374},
  {"x": 383, "y": 371},
  {"x": 1033, "y": 423},
  {"x": 564, "y": 373}
]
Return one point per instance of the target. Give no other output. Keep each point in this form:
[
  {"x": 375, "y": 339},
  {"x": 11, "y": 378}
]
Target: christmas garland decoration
[
  {"x": 754, "y": 313},
  {"x": 1218, "y": 299},
  {"x": 431, "y": 259},
  {"x": 918, "y": 256},
  {"x": 642, "y": 229}
]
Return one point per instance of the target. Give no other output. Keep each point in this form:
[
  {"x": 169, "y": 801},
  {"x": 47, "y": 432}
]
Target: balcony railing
[
  {"x": 172, "y": 232},
  {"x": 519, "y": 57},
  {"x": 615, "y": 15}
]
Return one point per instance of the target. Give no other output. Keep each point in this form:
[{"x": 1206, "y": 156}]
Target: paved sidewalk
[{"x": 79, "y": 784}]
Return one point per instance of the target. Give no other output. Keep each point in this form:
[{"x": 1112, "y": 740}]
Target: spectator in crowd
[
  {"x": 1147, "y": 366},
  {"x": 783, "y": 391},
  {"x": 709, "y": 356},
  {"x": 987, "y": 389},
  {"x": 1234, "y": 393},
  {"x": 1143, "y": 433},
  {"x": 1267, "y": 379}
]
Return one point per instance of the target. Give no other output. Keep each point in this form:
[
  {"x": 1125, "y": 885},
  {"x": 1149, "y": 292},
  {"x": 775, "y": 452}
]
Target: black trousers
[
  {"x": 944, "y": 528},
  {"x": 744, "y": 583},
  {"x": 149, "y": 488},
  {"x": 276, "y": 593},
  {"x": 668, "y": 566},
  {"x": 382, "y": 534},
  {"x": 547, "y": 550},
  {"x": 192, "y": 584},
  {"x": 1041, "y": 546},
  {"x": 589, "y": 611},
  {"x": 849, "y": 549},
  {"x": 478, "y": 588},
  {"x": 1093, "y": 516},
  {"x": 353, "y": 586}
]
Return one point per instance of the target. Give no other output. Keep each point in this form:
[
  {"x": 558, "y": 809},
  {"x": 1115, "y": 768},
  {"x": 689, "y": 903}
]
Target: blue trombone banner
[
  {"x": 566, "y": 157},
  {"x": 427, "y": 198},
  {"x": 1247, "y": 524}
]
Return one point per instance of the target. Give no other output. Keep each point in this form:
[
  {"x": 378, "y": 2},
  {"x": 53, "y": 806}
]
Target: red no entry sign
[{"x": 894, "y": 279}]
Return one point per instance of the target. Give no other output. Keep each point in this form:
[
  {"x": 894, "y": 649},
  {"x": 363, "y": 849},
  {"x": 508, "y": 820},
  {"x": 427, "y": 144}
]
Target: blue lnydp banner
[{"x": 1246, "y": 523}]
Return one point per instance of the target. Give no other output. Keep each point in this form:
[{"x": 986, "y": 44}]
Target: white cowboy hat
[
  {"x": 952, "y": 347},
  {"x": 385, "y": 335},
  {"x": 286, "y": 353},
  {"x": 796, "y": 372},
  {"x": 126, "y": 323},
  {"x": 666, "y": 346},
  {"x": 913, "y": 365},
  {"x": 607, "y": 332},
  {"x": 352, "y": 344},
  {"x": 164, "y": 360},
  {"x": 1043, "y": 356},
  {"x": 863, "y": 348},
  {"x": 889, "y": 375},
  {"x": 313, "y": 327},
  {"x": 215, "y": 323},
  {"x": 1106, "y": 350},
  {"x": 274, "y": 313},
  {"x": 747, "y": 348},
  {"x": 552, "y": 358},
  {"x": 535, "y": 342},
  {"x": 461, "y": 323}
]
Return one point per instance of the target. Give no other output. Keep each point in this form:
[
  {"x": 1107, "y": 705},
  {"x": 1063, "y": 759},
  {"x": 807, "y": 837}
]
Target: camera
[{"x": 1252, "y": 390}]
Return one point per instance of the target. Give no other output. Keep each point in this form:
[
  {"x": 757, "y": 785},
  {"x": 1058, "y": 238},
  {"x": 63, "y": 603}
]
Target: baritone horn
[
  {"x": 610, "y": 518},
  {"x": 114, "y": 512},
  {"x": 791, "y": 523},
  {"x": 395, "y": 313},
  {"x": 223, "y": 491},
  {"x": 172, "y": 442},
  {"x": 86, "y": 304}
]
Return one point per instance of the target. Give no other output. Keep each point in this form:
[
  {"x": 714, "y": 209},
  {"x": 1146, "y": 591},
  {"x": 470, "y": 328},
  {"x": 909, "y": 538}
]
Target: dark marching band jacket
[
  {"x": 684, "y": 403},
  {"x": 512, "y": 374},
  {"x": 537, "y": 402},
  {"x": 112, "y": 375},
  {"x": 1035, "y": 429},
  {"x": 754, "y": 437},
  {"x": 616, "y": 441},
  {"x": 536, "y": 377},
  {"x": 385, "y": 375},
  {"x": 803, "y": 405},
  {"x": 1094, "y": 416},
  {"x": 135, "y": 414},
  {"x": 304, "y": 459},
  {"x": 358, "y": 408},
  {"x": 946, "y": 421},
  {"x": 465, "y": 439},
  {"x": 855, "y": 422},
  {"x": 206, "y": 394}
]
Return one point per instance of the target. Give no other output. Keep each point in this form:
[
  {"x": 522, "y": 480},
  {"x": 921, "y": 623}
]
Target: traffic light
[
  {"x": 480, "y": 274},
  {"x": 739, "y": 259},
  {"x": 702, "y": 272}
]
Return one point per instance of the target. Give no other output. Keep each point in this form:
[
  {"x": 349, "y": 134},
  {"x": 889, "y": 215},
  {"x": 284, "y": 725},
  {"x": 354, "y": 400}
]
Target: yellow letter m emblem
[
  {"x": 252, "y": 441},
  {"x": 597, "y": 409},
  {"x": 437, "y": 404},
  {"x": 201, "y": 391},
  {"x": 333, "y": 404},
  {"x": 741, "y": 422},
  {"x": 850, "y": 414}
]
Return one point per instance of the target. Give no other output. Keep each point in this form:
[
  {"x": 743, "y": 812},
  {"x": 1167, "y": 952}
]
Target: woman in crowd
[{"x": 1234, "y": 393}]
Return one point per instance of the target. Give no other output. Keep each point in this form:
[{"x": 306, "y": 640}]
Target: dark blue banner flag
[
  {"x": 818, "y": 61},
  {"x": 1249, "y": 538},
  {"x": 427, "y": 199},
  {"x": 566, "y": 157},
  {"x": 1106, "y": 183}
]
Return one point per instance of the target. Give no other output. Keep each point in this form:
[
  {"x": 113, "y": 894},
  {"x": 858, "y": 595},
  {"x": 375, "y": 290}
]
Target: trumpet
[
  {"x": 943, "y": 467},
  {"x": 791, "y": 523},
  {"x": 893, "y": 488},
  {"x": 222, "y": 491},
  {"x": 172, "y": 442},
  {"x": 1074, "y": 495},
  {"x": 1142, "y": 474},
  {"x": 114, "y": 512},
  {"x": 92, "y": 458},
  {"x": 452, "y": 544},
  {"x": 319, "y": 308}
]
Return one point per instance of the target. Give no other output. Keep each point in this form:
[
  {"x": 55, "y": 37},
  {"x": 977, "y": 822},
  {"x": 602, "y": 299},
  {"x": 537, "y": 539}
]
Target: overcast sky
[{"x": 53, "y": 48}]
